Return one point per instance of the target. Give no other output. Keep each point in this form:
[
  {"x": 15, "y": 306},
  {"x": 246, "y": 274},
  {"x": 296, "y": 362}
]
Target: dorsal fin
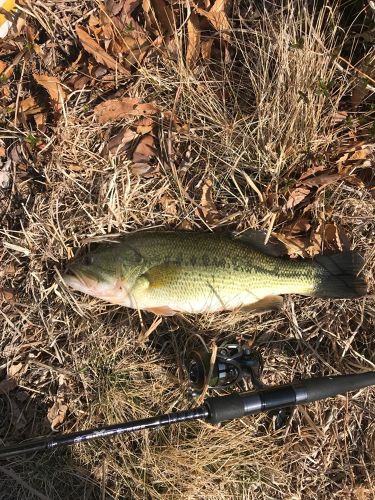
[{"x": 256, "y": 237}]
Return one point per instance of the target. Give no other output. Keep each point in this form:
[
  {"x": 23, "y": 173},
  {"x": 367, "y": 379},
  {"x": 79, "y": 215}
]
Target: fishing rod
[{"x": 233, "y": 364}]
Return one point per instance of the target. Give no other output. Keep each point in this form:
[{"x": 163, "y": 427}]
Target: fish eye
[{"x": 88, "y": 260}]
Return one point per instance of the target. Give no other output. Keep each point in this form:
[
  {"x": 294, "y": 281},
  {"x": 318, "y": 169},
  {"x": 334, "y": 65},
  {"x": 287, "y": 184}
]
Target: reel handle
[{"x": 306, "y": 391}]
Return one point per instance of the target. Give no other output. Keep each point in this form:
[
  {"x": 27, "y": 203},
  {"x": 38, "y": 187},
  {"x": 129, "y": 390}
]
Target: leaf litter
[{"x": 178, "y": 116}]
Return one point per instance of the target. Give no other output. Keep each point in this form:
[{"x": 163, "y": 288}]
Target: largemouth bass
[{"x": 169, "y": 272}]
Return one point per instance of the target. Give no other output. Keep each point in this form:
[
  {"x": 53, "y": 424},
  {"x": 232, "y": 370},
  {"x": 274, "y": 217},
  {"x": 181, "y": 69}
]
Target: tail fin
[{"x": 338, "y": 276}]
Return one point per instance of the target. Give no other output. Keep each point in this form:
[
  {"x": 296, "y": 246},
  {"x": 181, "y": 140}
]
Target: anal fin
[
  {"x": 161, "y": 311},
  {"x": 268, "y": 303}
]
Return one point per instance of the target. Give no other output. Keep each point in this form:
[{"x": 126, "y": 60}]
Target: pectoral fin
[
  {"x": 269, "y": 303},
  {"x": 161, "y": 276}
]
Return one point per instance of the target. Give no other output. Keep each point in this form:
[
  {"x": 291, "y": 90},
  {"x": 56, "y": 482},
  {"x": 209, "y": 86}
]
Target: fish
[{"x": 196, "y": 272}]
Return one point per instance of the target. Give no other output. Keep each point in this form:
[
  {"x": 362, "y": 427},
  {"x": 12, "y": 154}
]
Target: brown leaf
[
  {"x": 207, "y": 207},
  {"x": 194, "y": 36},
  {"x": 206, "y": 48},
  {"x": 57, "y": 413},
  {"x": 7, "y": 295},
  {"x": 217, "y": 17},
  {"x": 144, "y": 125},
  {"x": 159, "y": 15},
  {"x": 117, "y": 109},
  {"x": 129, "y": 6},
  {"x": 14, "y": 369},
  {"x": 331, "y": 236},
  {"x": 168, "y": 204},
  {"x": 54, "y": 89},
  {"x": 297, "y": 196},
  {"x": 144, "y": 169},
  {"x": 99, "y": 54},
  {"x": 118, "y": 142},
  {"x": 29, "y": 106},
  {"x": 353, "y": 179},
  {"x": 339, "y": 117},
  {"x": 360, "y": 154},
  {"x": 315, "y": 245},
  {"x": 144, "y": 150},
  {"x": 322, "y": 180},
  {"x": 301, "y": 225},
  {"x": 294, "y": 246},
  {"x": 113, "y": 7},
  {"x": 312, "y": 171}
]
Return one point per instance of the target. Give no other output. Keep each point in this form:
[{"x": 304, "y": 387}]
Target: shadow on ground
[{"x": 47, "y": 475}]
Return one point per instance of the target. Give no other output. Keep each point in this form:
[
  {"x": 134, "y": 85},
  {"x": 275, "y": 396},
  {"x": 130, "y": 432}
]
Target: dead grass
[{"x": 260, "y": 119}]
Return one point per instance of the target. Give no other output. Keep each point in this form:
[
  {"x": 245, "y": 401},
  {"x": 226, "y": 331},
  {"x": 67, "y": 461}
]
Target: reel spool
[{"x": 235, "y": 364}]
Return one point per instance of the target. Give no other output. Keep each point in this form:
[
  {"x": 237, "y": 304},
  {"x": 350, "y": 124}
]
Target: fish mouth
[{"x": 79, "y": 281}]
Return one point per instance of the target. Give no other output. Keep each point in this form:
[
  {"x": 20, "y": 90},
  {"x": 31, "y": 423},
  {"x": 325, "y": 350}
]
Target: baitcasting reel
[{"x": 234, "y": 364}]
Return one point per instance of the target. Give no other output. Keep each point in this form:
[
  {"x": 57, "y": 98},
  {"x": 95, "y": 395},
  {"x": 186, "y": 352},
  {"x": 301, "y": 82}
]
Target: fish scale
[{"x": 224, "y": 275}]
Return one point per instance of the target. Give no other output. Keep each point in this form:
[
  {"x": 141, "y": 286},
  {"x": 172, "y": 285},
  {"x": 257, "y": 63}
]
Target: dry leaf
[
  {"x": 118, "y": 142},
  {"x": 168, "y": 204},
  {"x": 331, "y": 236},
  {"x": 207, "y": 207},
  {"x": 54, "y": 89},
  {"x": 144, "y": 150},
  {"x": 297, "y": 196},
  {"x": 301, "y": 225},
  {"x": 113, "y": 7},
  {"x": 206, "y": 48},
  {"x": 353, "y": 179},
  {"x": 194, "y": 36},
  {"x": 117, "y": 109},
  {"x": 144, "y": 125},
  {"x": 312, "y": 171},
  {"x": 129, "y": 6},
  {"x": 29, "y": 106},
  {"x": 218, "y": 18},
  {"x": 360, "y": 154},
  {"x": 5, "y": 175},
  {"x": 100, "y": 55},
  {"x": 339, "y": 117},
  {"x": 57, "y": 413},
  {"x": 159, "y": 15},
  {"x": 322, "y": 180},
  {"x": 315, "y": 244},
  {"x": 294, "y": 246},
  {"x": 14, "y": 369},
  {"x": 144, "y": 169},
  {"x": 7, "y": 295}
]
